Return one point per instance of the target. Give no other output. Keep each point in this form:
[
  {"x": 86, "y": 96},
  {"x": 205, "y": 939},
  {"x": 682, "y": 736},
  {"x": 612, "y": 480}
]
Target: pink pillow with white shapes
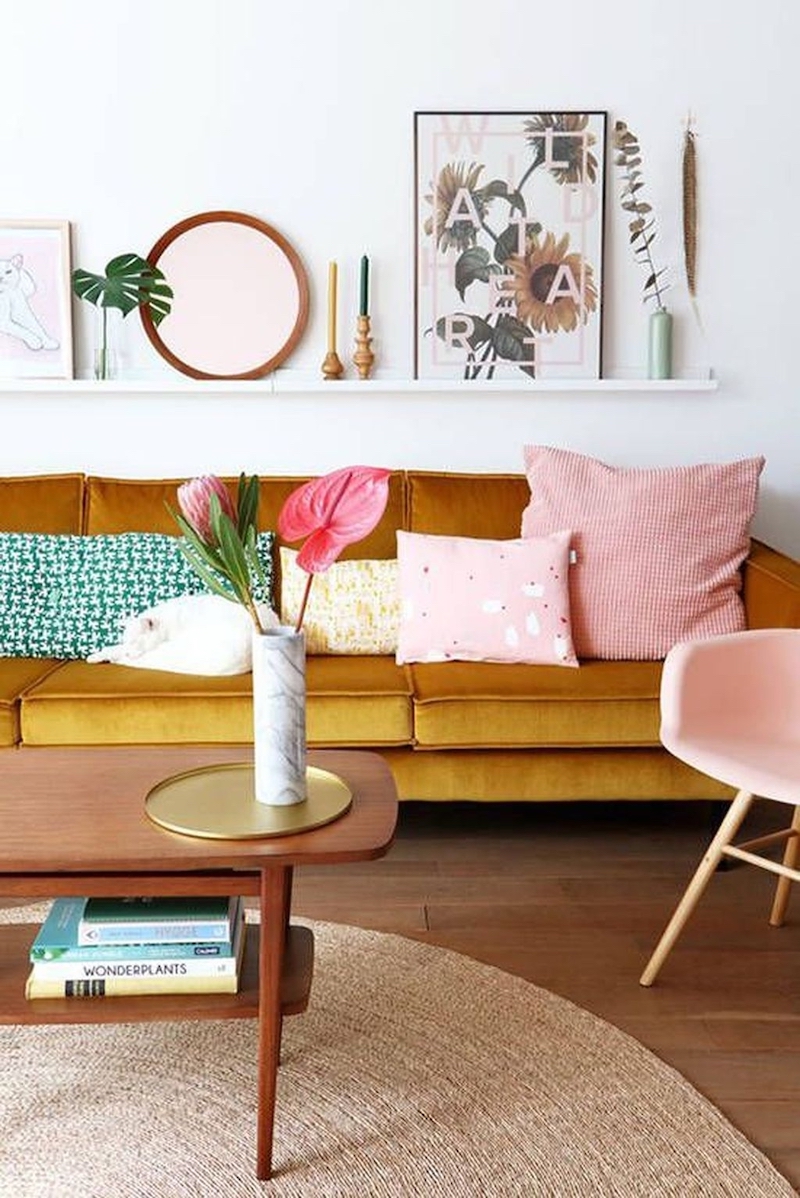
[{"x": 465, "y": 599}]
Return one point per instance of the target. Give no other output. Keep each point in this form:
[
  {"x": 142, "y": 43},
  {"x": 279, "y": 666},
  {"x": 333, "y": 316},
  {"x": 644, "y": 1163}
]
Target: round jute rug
[{"x": 415, "y": 1072}]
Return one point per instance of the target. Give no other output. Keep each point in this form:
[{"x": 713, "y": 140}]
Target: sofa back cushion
[
  {"x": 42, "y": 503},
  {"x": 467, "y": 505},
  {"x": 116, "y": 505},
  {"x": 140, "y": 505},
  {"x": 659, "y": 550}
]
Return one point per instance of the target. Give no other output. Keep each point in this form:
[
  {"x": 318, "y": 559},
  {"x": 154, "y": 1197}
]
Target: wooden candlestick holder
[
  {"x": 332, "y": 367},
  {"x": 363, "y": 358}
]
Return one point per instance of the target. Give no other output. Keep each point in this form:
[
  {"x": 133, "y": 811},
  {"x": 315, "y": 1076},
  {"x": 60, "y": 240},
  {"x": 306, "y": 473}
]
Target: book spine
[
  {"x": 182, "y": 967},
  {"x": 37, "y": 987},
  {"x": 197, "y": 950},
  {"x": 153, "y": 933}
]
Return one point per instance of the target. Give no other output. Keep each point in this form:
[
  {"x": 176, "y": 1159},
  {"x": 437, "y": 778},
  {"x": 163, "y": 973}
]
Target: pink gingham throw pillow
[
  {"x": 658, "y": 549},
  {"x": 467, "y": 599}
]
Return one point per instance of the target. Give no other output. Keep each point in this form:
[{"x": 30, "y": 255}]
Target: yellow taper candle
[{"x": 332, "y": 272}]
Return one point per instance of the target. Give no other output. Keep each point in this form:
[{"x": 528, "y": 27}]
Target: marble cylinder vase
[{"x": 279, "y": 716}]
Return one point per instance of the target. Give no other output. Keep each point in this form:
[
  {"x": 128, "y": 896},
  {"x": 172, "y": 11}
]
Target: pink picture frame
[{"x": 35, "y": 299}]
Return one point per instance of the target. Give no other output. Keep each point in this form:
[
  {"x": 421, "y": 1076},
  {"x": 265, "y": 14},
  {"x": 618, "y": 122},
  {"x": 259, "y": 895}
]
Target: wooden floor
[{"x": 573, "y": 897}]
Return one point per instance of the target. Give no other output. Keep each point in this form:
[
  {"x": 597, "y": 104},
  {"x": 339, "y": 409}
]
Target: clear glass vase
[{"x": 105, "y": 361}]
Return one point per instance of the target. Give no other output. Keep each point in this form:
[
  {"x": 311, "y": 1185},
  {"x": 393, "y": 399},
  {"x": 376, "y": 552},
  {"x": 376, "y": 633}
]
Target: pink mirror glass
[{"x": 240, "y": 297}]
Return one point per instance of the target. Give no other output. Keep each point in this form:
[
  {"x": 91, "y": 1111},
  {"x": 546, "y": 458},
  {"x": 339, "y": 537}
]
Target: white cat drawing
[
  {"x": 193, "y": 634},
  {"x": 16, "y": 315}
]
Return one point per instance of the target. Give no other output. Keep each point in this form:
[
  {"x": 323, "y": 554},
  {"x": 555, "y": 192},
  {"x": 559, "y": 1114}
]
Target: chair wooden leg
[
  {"x": 790, "y": 858},
  {"x": 705, "y": 870}
]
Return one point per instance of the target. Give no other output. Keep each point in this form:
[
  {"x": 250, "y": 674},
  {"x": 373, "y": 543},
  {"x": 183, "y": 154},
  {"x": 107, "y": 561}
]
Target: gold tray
[{"x": 218, "y": 802}]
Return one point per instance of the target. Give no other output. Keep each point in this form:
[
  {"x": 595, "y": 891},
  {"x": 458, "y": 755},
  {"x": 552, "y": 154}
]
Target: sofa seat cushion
[
  {"x": 547, "y": 775},
  {"x": 357, "y": 701},
  {"x": 16, "y": 675},
  {"x": 350, "y": 701},
  {"x": 484, "y": 705}
]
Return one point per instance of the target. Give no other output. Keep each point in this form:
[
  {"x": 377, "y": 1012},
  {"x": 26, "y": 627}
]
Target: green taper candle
[{"x": 363, "y": 309}]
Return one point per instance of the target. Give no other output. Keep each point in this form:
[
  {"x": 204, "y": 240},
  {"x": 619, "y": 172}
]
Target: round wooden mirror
[{"x": 240, "y": 297}]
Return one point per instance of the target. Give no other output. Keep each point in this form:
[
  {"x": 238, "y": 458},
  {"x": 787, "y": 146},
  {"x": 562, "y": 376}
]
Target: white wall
[{"x": 124, "y": 116}]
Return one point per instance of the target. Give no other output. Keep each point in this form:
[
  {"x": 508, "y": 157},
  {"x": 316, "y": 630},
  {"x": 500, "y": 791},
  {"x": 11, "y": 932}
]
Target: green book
[
  {"x": 157, "y": 919},
  {"x": 57, "y": 940}
]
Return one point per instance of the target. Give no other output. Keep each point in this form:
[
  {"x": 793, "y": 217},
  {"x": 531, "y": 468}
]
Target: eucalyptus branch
[{"x": 642, "y": 225}]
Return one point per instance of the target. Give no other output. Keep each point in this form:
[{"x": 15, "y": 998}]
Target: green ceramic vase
[{"x": 659, "y": 345}]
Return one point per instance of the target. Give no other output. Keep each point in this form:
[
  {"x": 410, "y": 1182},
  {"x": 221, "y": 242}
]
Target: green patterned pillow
[{"x": 67, "y": 596}]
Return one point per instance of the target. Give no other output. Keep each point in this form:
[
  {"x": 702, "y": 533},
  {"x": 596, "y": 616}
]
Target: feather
[{"x": 690, "y": 210}]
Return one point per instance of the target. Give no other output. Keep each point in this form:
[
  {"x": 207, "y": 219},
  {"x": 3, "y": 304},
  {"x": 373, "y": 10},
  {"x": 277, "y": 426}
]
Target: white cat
[
  {"x": 16, "y": 315},
  {"x": 192, "y": 634}
]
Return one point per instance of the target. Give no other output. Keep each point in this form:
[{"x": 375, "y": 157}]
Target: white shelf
[{"x": 283, "y": 384}]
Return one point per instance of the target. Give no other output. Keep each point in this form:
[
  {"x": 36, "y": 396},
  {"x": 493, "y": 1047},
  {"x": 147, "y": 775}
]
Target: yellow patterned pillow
[{"x": 354, "y": 606}]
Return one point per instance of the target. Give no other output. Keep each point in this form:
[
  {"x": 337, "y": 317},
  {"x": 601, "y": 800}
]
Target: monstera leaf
[{"x": 129, "y": 282}]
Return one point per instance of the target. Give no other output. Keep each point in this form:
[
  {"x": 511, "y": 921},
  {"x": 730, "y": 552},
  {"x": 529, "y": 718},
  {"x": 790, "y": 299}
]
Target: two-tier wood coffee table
[{"x": 72, "y": 822}]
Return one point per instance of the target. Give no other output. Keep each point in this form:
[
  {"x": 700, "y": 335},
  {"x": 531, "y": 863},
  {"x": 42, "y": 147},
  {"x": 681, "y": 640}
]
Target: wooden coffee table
[{"x": 72, "y": 822}]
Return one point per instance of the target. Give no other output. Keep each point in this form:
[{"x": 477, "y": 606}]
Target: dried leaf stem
[{"x": 642, "y": 225}]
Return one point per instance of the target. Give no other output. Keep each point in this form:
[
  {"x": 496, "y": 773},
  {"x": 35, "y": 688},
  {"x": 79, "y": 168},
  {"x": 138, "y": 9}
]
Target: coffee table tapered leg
[{"x": 275, "y": 895}]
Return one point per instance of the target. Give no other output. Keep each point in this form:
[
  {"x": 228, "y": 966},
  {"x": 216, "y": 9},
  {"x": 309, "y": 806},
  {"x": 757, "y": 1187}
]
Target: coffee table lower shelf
[{"x": 15, "y": 943}]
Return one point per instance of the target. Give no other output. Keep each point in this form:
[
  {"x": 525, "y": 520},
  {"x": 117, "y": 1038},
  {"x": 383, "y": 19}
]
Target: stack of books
[{"x": 99, "y": 947}]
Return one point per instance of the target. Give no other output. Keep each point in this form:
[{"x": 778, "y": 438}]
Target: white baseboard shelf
[{"x": 285, "y": 384}]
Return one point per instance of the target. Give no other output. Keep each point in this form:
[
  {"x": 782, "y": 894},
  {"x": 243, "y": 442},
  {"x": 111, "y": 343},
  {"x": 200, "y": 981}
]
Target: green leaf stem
[
  {"x": 507, "y": 243},
  {"x": 247, "y": 504},
  {"x": 129, "y": 282}
]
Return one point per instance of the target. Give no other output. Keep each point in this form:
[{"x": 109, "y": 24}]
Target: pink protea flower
[
  {"x": 332, "y": 512},
  {"x": 223, "y": 551},
  {"x": 194, "y": 500}
]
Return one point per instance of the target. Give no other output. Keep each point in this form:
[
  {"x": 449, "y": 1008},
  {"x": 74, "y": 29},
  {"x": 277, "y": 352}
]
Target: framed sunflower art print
[{"x": 509, "y": 245}]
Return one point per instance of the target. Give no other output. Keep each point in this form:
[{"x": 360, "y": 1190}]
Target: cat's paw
[{"x": 110, "y": 653}]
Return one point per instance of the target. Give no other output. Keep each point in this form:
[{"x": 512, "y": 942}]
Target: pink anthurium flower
[
  {"x": 332, "y": 512},
  {"x": 194, "y": 500}
]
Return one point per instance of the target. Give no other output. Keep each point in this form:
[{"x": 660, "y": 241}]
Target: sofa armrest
[{"x": 771, "y": 588}]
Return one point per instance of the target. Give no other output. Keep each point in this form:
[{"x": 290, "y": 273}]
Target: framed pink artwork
[
  {"x": 509, "y": 244},
  {"x": 35, "y": 299}
]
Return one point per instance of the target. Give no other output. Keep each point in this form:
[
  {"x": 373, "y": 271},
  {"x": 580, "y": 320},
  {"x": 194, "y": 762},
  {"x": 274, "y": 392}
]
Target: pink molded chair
[{"x": 730, "y": 707}]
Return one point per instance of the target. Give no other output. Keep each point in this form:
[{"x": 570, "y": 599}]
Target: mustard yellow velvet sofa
[{"x": 454, "y": 730}]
